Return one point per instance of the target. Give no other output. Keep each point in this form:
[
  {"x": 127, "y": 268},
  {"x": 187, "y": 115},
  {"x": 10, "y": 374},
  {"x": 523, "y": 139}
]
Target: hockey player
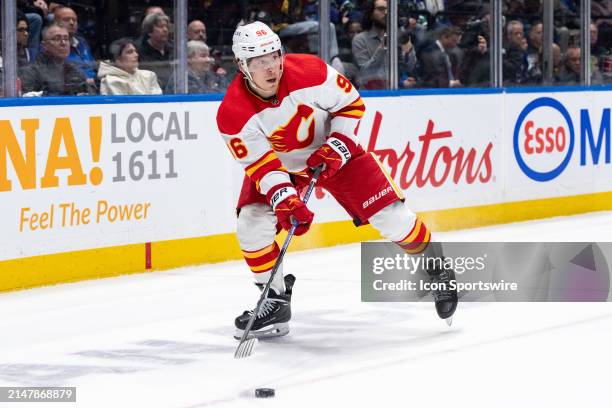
[{"x": 282, "y": 116}]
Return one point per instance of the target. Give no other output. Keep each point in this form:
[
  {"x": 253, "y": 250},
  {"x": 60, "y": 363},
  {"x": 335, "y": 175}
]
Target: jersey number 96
[
  {"x": 344, "y": 83},
  {"x": 238, "y": 148}
]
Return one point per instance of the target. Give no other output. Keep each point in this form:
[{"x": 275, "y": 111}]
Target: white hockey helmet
[{"x": 253, "y": 40}]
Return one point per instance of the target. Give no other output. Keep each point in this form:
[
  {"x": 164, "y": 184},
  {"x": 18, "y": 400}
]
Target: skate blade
[
  {"x": 449, "y": 321},
  {"x": 274, "y": 330}
]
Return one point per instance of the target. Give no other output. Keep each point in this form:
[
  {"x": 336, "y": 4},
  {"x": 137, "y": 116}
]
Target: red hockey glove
[
  {"x": 288, "y": 206},
  {"x": 333, "y": 154}
]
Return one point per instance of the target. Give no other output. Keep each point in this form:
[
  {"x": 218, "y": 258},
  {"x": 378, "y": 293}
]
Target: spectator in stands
[
  {"x": 418, "y": 32},
  {"x": 23, "y": 53},
  {"x": 407, "y": 61},
  {"x": 570, "y": 72},
  {"x": 156, "y": 52},
  {"x": 345, "y": 40},
  {"x": 196, "y": 31},
  {"x": 534, "y": 53},
  {"x": 598, "y": 51},
  {"x": 122, "y": 76},
  {"x": 148, "y": 11},
  {"x": 535, "y": 73},
  {"x": 51, "y": 73},
  {"x": 514, "y": 8},
  {"x": 154, "y": 10},
  {"x": 80, "y": 53},
  {"x": 556, "y": 61},
  {"x": 601, "y": 13},
  {"x": 53, "y": 5},
  {"x": 514, "y": 32},
  {"x": 475, "y": 65},
  {"x": 535, "y": 38},
  {"x": 200, "y": 76},
  {"x": 353, "y": 28},
  {"x": 515, "y": 58},
  {"x": 440, "y": 66},
  {"x": 370, "y": 46},
  {"x": 36, "y": 13}
]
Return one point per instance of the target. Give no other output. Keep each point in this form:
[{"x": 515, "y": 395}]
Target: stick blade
[{"x": 245, "y": 348}]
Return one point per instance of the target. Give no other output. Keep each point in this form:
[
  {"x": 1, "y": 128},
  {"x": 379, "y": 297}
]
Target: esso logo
[{"x": 543, "y": 139}]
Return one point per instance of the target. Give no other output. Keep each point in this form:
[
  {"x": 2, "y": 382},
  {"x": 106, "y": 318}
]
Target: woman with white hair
[
  {"x": 200, "y": 76},
  {"x": 122, "y": 76}
]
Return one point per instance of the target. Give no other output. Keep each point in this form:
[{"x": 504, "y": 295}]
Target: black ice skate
[
  {"x": 274, "y": 315},
  {"x": 446, "y": 298}
]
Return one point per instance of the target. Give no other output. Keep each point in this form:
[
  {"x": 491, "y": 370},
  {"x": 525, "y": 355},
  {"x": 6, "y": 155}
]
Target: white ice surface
[{"x": 165, "y": 339}]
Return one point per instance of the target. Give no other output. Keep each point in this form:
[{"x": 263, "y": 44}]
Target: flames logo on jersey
[{"x": 297, "y": 133}]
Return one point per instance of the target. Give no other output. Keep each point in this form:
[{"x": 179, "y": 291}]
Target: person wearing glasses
[
  {"x": 51, "y": 74},
  {"x": 156, "y": 49},
  {"x": 80, "y": 52},
  {"x": 23, "y": 53},
  {"x": 370, "y": 47}
]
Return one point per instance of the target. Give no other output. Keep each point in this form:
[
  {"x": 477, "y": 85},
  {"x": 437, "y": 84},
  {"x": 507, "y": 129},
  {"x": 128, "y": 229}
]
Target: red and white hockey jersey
[{"x": 272, "y": 138}]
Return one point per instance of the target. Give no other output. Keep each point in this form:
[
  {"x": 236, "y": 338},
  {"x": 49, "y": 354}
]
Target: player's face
[{"x": 266, "y": 72}]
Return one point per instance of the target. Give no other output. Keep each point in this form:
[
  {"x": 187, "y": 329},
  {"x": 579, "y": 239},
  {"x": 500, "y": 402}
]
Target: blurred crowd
[{"x": 105, "y": 47}]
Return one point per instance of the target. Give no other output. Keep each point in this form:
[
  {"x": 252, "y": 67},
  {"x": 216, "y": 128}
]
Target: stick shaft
[{"x": 279, "y": 261}]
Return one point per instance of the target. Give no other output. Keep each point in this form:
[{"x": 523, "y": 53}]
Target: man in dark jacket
[
  {"x": 51, "y": 74},
  {"x": 440, "y": 66},
  {"x": 156, "y": 51}
]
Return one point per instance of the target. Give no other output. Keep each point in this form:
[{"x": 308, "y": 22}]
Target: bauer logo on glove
[
  {"x": 335, "y": 153},
  {"x": 340, "y": 147},
  {"x": 280, "y": 195},
  {"x": 288, "y": 207}
]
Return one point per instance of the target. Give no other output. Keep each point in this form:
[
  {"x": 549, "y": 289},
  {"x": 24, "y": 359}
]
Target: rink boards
[{"x": 94, "y": 187}]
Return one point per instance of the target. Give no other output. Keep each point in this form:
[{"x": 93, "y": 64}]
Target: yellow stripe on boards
[{"x": 105, "y": 262}]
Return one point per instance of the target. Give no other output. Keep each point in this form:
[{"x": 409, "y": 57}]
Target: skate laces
[
  {"x": 267, "y": 307},
  {"x": 439, "y": 294}
]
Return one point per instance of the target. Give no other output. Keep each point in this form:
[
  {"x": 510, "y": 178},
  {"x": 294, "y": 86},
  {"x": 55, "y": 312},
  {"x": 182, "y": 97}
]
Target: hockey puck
[{"x": 264, "y": 392}]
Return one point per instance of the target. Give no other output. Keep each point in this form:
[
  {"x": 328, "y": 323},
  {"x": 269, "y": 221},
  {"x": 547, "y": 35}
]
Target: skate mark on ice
[
  {"x": 398, "y": 361},
  {"x": 146, "y": 355}
]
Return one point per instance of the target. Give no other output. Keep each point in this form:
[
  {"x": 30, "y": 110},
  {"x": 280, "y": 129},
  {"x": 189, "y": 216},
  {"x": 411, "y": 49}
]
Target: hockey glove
[
  {"x": 334, "y": 154},
  {"x": 288, "y": 206}
]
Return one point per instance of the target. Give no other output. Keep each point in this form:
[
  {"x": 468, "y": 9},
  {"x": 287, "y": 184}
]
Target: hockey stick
[{"x": 245, "y": 347}]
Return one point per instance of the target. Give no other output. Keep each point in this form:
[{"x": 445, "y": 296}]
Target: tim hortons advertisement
[{"x": 442, "y": 151}]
